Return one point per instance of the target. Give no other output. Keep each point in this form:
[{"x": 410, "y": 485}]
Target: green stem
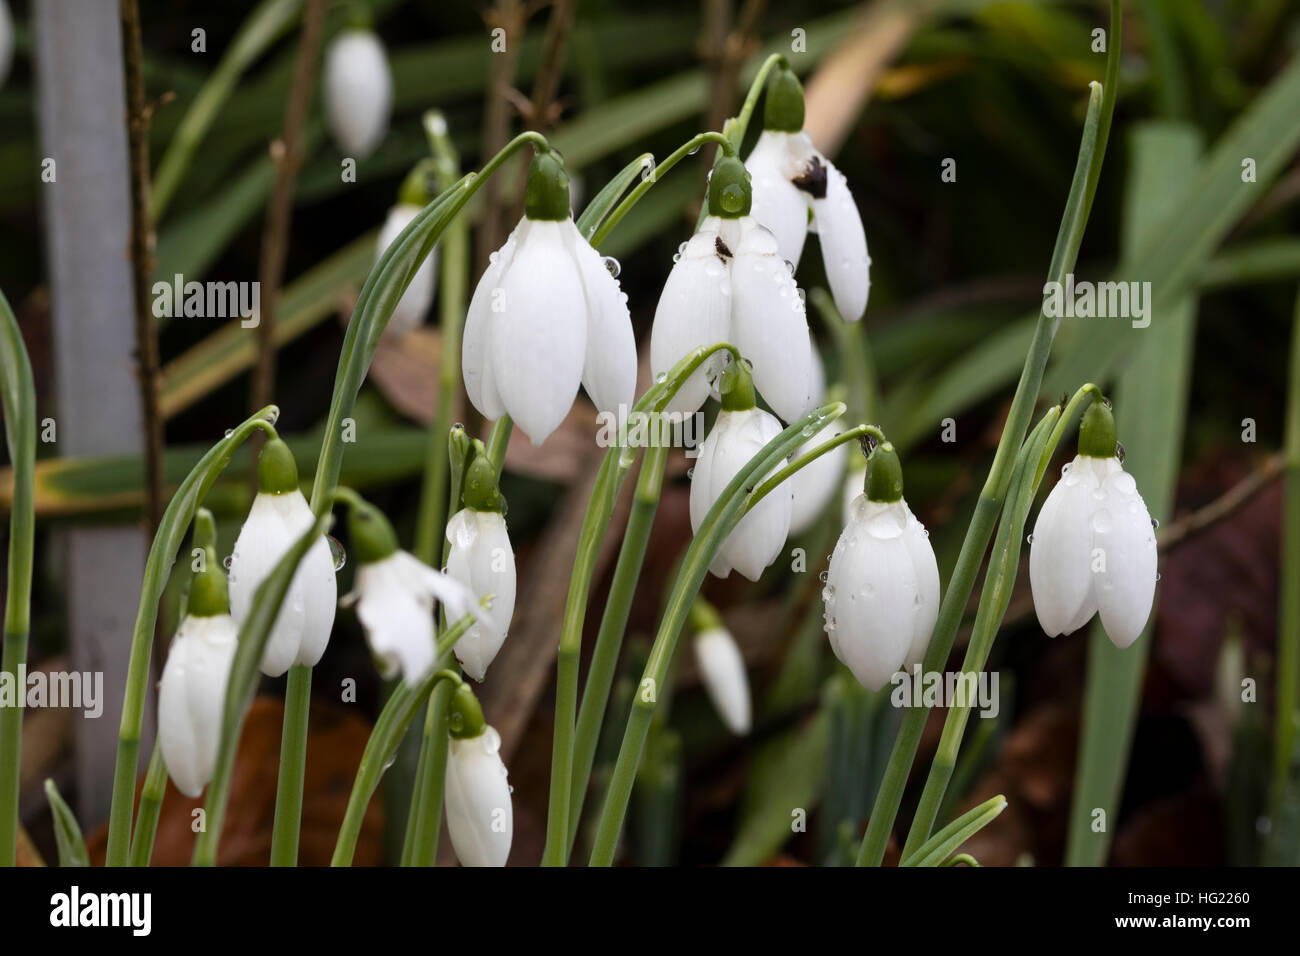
[
  {"x": 717, "y": 524},
  {"x": 293, "y": 767},
  {"x": 18, "y": 397},
  {"x": 1091, "y": 152},
  {"x": 396, "y": 716},
  {"x": 853, "y": 434},
  {"x": 613, "y": 625},
  {"x": 938, "y": 847},
  {"x": 735, "y": 128},
  {"x": 162, "y": 554},
  {"x": 1288, "y": 635},
  {"x": 151, "y": 798}
]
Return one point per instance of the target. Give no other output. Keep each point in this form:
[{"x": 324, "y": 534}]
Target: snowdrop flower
[
  {"x": 6, "y": 41},
  {"x": 793, "y": 180},
  {"x": 394, "y": 596},
  {"x": 813, "y": 486},
  {"x": 882, "y": 590},
  {"x": 740, "y": 431},
  {"x": 480, "y": 818},
  {"x": 730, "y": 284},
  {"x": 415, "y": 301},
  {"x": 358, "y": 91},
  {"x": 1093, "y": 548},
  {"x": 279, "y": 516},
  {"x": 546, "y": 316},
  {"x": 722, "y": 668},
  {"x": 192, "y": 692},
  {"x": 482, "y": 560}
]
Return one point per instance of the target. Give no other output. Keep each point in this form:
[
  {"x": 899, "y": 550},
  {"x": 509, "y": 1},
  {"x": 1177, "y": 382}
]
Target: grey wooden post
[{"x": 81, "y": 111}]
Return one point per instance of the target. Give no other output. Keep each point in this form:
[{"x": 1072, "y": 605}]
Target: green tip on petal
[
  {"x": 277, "y": 472},
  {"x": 464, "y": 715},
  {"x": 783, "y": 111},
  {"x": 546, "y": 194},
  {"x": 205, "y": 529},
  {"x": 737, "y": 387},
  {"x": 481, "y": 491},
  {"x": 884, "y": 480},
  {"x": 1097, "y": 432},
  {"x": 730, "y": 195},
  {"x": 373, "y": 538},
  {"x": 209, "y": 595}
]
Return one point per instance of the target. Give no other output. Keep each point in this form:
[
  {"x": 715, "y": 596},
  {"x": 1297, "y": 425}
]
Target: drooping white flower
[
  {"x": 6, "y": 41},
  {"x": 358, "y": 91},
  {"x": 480, "y": 817},
  {"x": 546, "y": 316},
  {"x": 730, "y": 284},
  {"x": 1093, "y": 547},
  {"x": 414, "y": 304},
  {"x": 813, "y": 486},
  {"x": 793, "y": 181},
  {"x": 722, "y": 670},
  {"x": 192, "y": 697},
  {"x": 882, "y": 589},
  {"x": 482, "y": 560},
  {"x": 738, "y": 434},
  {"x": 279, "y": 516}
]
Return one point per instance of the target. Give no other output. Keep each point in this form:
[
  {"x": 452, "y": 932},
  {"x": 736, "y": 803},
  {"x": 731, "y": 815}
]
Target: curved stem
[{"x": 853, "y": 434}]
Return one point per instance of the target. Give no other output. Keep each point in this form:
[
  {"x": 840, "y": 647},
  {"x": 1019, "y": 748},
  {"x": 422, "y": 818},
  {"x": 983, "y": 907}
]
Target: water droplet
[
  {"x": 1029, "y": 539},
  {"x": 690, "y": 473},
  {"x": 1155, "y": 524},
  {"x": 273, "y": 415},
  {"x": 661, "y": 378},
  {"x": 338, "y": 554},
  {"x": 822, "y": 577},
  {"x": 612, "y": 266},
  {"x": 229, "y": 432},
  {"x": 227, "y": 561},
  {"x": 677, "y": 257},
  {"x": 789, "y": 266},
  {"x": 1120, "y": 453},
  {"x": 1101, "y": 521},
  {"x": 693, "y": 152},
  {"x": 732, "y": 198}
]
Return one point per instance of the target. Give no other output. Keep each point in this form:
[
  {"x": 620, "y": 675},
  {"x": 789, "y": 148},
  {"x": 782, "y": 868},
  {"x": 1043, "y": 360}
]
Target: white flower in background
[
  {"x": 192, "y": 692},
  {"x": 6, "y": 41},
  {"x": 358, "y": 91},
  {"x": 394, "y": 596},
  {"x": 1093, "y": 548},
  {"x": 738, "y": 434},
  {"x": 793, "y": 180},
  {"x": 882, "y": 590},
  {"x": 547, "y": 315},
  {"x": 415, "y": 301},
  {"x": 480, "y": 818},
  {"x": 722, "y": 670},
  {"x": 813, "y": 486},
  {"x": 730, "y": 284},
  {"x": 279, "y": 516}
]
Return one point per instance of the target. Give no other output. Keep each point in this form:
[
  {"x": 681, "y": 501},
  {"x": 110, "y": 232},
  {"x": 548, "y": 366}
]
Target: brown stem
[
  {"x": 723, "y": 49},
  {"x": 142, "y": 242},
  {"x": 510, "y": 16},
  {"x": 1176, "y": 532},
  {"x": 287, "y": 155}
]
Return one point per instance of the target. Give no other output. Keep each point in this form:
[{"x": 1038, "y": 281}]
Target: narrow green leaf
[{"x": 67, "y": 832}]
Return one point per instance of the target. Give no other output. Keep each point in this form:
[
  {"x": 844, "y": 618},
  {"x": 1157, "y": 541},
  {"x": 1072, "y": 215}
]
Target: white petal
[
  {"x": 778, "y": 204},
  {"x": 482, "y": 559},
  {"x": 397, "y": 618},
  {"x": 844, "y": 246},
  {"x": 609, "y": 366},
  {"x": 694, "y": 310},
  {"x": 1060, "y": 552},
  {"x": 722, "y": 670},
  {"x": 769, "y": 325},
  {"x": 414, "y": 303},
  {"x": 358, "y": 91},
  {"x": 191, "y": 699},
  {"x": 871, "y": 593},
  {"x": 480, "y": 818},
  {"x": 539, "y": 338},
  {"x": 476, "y": 365},
  {"x": 1125, "y": 589},
  {"x": 926, "y": 569}
]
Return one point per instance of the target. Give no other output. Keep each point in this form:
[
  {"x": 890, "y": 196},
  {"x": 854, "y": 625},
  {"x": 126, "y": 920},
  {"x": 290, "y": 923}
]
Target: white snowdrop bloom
[
  {"x": 415, "y": 301},
  {"x": 394, "y": 596},
  {"x": 741, "y": 430},
  {"x": 813, "y": 486},
  {"x": 482, "y": 560},
  {"x": 722, "y": 670},
  {"x": 6, "y": 41},
  {"x": 480, "y": 818},
  {"x": 882, "y": 589},
  {"x": 192, "y": 697},
  {"x": 546, "y": 316},
  {"x": 793, "y": 181},
  {"x": 358, "y": 91},
  {"x": 279, "y": 516},
  {"x": 1093, "y": 547},
  {"x": 729, "y": 283},
  {"x": 192, "y": 691}
]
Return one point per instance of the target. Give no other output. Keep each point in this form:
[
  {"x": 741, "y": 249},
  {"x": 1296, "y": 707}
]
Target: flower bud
[{"x": 480, "y": 817}]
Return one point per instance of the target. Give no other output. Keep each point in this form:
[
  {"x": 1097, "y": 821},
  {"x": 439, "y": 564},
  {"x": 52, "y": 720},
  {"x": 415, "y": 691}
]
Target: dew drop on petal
[
  {"x": 228, "y": 561},
  {"x": 612, "y": 266},
  {"x": 338, "y": 554},
  {"x": 1029, "y": 539},
  {"x": 1101, "y": 521}
]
